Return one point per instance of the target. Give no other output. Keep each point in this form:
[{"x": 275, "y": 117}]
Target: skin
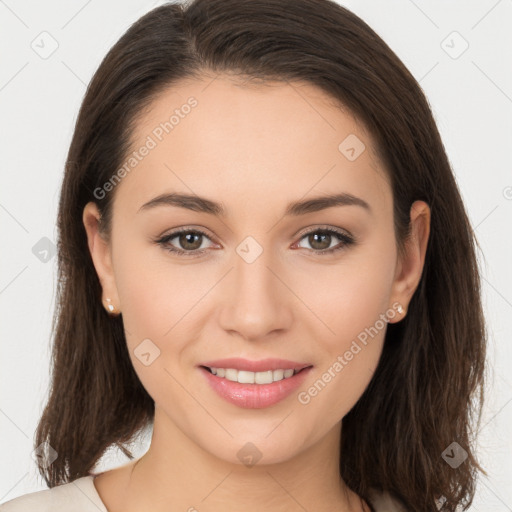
[{"x": 254, "y": 148}]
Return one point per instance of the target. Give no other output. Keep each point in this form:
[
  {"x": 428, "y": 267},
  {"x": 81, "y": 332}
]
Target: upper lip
[{"x": 255, "y": 366}]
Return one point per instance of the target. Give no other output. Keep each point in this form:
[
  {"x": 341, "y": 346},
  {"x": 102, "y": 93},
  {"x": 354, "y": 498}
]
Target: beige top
[{"x": 81, "y": 496}]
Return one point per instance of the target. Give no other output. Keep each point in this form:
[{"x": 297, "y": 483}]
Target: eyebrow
[{"x": 203, "y": 205}]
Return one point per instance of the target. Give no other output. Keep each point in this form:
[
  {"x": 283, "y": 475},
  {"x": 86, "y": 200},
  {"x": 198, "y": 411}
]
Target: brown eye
[
  {"x": 320, "y": 240},
  {"x": 189, "y": 242}
]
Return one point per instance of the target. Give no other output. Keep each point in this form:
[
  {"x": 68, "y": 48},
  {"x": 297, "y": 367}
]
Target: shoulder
[
  {"x": 80, "y": 493},
  {"x": 381, "y": 501}
]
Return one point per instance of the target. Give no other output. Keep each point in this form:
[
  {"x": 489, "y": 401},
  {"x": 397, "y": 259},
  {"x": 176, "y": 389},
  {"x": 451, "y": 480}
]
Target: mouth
[
  {"x": 254, "y": 384},
  {"x": 248, "y": 377}
]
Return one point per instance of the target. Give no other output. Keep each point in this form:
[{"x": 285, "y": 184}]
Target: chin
[{"x": 256, "y": 448}]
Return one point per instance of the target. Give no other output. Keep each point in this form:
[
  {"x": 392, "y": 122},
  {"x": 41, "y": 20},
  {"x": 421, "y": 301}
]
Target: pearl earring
[{"x": 111, "y": 308}]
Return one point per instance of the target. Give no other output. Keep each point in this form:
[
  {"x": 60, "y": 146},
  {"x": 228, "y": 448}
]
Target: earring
[
  {"x": 111, "y": 308},
  {"x": 400, "y": 309}
]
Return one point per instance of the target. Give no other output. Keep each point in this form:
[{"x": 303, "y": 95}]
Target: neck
[{"x": 177, "y": 474}]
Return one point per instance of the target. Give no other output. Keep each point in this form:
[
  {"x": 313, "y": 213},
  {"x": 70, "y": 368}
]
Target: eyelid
[
  {"x": 322, "y": 227},
  {"x": 345, "y": 237},
  {"x": 187, "y": 229},
  {"x": 191, "y": 227}
]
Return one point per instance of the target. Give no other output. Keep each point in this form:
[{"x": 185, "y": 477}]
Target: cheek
[
  {"x": 347, "y": 363},
  {"x": 158, "y": 301},
  {"x": 155, "y": 291},
  {"x": 354, "y": 309},
  {"x": 350, "y": 296},
  {"x": 163, "y": 302}
]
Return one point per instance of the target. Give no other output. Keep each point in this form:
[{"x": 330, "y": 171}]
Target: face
[{"x": 259, "y": 282}]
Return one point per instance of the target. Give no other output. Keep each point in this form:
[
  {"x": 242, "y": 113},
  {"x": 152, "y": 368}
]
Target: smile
[
  {"x": 247, "y": 377},
  {"x": 254, "y": 384}
]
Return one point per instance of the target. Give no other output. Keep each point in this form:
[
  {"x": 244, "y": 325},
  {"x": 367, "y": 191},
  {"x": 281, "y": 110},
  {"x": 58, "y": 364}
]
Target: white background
[{"x": 471, "y": 97}]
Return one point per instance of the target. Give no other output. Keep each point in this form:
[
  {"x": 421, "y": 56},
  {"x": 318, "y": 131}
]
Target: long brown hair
[{"x": 428, "y": 388}]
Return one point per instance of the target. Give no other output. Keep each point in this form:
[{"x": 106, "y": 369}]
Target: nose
[{"x": 256, "y": 302}]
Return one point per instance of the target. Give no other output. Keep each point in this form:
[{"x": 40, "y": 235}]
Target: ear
[
  {"x": 410, "y": 267},
  {"x": 101, "y": 255}
]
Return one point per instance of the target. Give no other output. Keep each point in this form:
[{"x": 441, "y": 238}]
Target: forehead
[{"x": 237, "y": 142}]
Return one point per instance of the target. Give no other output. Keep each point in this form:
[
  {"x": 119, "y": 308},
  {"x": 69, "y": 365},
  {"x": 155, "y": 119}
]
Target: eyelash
[{"x": 346, "y": 241}]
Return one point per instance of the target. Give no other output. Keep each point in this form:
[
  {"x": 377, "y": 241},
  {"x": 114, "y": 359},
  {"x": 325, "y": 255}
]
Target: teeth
[
  {"x": 263, "y": 377},
  {"x": 278, "y": 375},
  {"x": 245, "y": 377},
  {"x": 231, "y": 374}
]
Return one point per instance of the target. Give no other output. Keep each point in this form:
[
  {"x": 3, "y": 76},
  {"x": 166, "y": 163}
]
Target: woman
[{"x": 221, "y": 144}]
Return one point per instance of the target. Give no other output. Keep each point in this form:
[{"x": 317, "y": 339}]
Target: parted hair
[{"x": 427, "y": 391}]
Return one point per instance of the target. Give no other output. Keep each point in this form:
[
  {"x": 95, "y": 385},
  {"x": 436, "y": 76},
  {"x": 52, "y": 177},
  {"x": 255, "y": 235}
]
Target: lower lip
[{"x": 255, "y": 396}]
